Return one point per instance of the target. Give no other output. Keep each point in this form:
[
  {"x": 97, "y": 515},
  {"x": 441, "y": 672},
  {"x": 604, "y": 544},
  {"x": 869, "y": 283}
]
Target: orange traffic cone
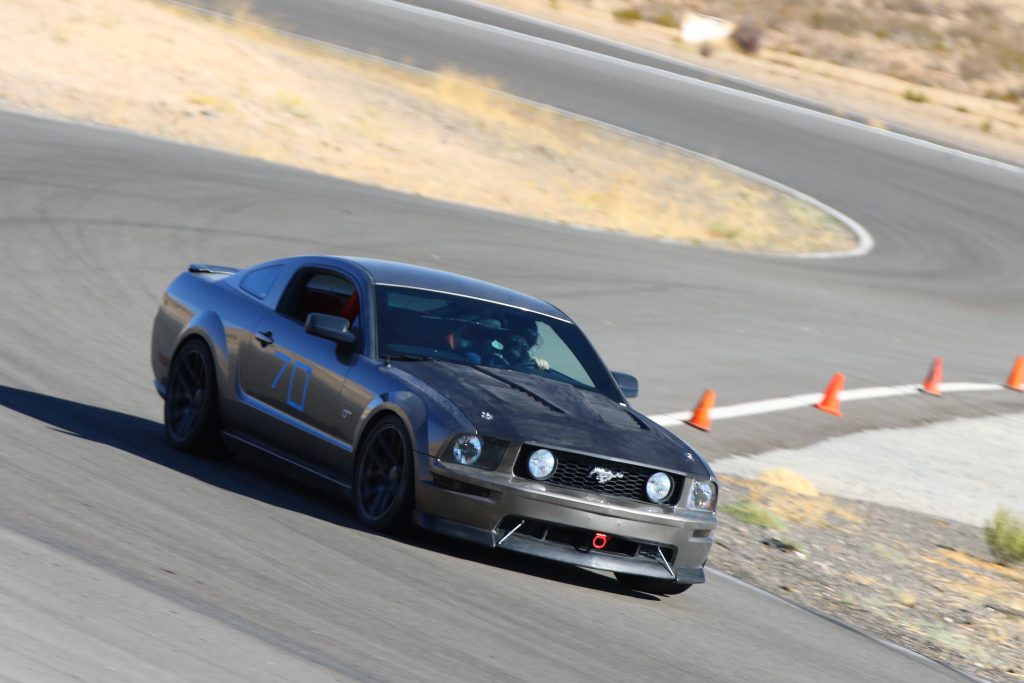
[
  {"x": 702, "y": 413},
  {"x": 1016, "y": 378},
  {"x": 933, "y": 383},
  {"x": 830, "y": 401}
]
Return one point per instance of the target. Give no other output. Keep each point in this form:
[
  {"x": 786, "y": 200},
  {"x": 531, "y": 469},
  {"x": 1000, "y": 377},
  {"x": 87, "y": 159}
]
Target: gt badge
[{"x": 603, "y": 475}]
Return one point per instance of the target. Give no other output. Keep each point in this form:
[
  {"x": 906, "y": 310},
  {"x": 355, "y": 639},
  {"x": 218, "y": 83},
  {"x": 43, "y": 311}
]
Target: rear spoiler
[{"x": 207, "y": 268}]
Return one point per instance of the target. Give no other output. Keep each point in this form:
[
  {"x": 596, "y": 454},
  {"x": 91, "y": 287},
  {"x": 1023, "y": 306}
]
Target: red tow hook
[{"x": 599, "y": 541}]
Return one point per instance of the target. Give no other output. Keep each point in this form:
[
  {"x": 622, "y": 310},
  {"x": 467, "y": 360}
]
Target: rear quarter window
[{"x": 260, "y": 282}]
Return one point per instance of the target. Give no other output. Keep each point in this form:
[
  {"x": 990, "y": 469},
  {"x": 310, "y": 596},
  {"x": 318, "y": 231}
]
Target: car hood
[{"x": 526, "y": 408}]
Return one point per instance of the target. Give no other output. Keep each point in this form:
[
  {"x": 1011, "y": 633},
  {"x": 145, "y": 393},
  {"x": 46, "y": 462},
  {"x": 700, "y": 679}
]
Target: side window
[
  {"x": 259, "y": 282},
  {"x": 317, "y": 291}
]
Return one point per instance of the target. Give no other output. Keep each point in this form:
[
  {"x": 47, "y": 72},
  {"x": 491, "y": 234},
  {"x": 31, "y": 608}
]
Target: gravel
[{"x": 890, "y": 541}]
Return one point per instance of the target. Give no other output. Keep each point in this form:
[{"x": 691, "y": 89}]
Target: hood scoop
[
  {"x": 520, "y": 388},
  {"x": 639, "y": 422}
]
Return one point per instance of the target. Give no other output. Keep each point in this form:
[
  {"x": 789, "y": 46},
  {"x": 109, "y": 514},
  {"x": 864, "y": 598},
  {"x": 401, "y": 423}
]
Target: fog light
[
  {"x": 541, "y": 464},
  {"x": 659, "y": 487},
  {"x": 467, "y": 449}
]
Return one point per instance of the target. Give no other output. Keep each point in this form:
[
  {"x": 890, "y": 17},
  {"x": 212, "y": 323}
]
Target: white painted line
[
  {"x": 865, "y": 242},
  {"x": 702, "y": 84},
  {"x": 917, "y": 656},
  {"x": 612, "y": 42},
  {"x": 775, "y": 405}
]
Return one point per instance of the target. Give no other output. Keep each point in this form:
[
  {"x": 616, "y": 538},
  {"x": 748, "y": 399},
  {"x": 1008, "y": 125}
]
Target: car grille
[{"x": 574, "y": 471}]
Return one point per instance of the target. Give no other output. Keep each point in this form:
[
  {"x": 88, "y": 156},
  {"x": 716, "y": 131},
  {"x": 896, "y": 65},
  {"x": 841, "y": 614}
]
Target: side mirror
[
  {"x": 628, "y": 383},
  {"x": 330, "y": 327}
]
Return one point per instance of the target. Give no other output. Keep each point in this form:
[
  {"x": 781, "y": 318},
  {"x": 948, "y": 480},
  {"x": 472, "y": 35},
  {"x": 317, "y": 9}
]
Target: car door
[{"x": 297, "y": 378}]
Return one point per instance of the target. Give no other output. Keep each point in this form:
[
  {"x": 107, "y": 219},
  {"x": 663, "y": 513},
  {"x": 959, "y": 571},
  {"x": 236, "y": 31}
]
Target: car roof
[{"x": 407, "y": 275}]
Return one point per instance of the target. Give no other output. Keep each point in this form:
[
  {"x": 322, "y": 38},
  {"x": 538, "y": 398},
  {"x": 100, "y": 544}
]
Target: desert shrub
[
  {"x": 751, "y": 513},
  {"x": 977, "y": 67},
  {"x": 983, "y": 13},
  {"x": 914, "y": 95},
  {"x": 1007, "y": 52},
  {"x": 747, "y": 38},
  {"x": 1004, "y": 534},
  {"x": 628, "y": 14},
  {"x": 1011, "y": 96},
  {"x": 912, "y": 6},
  {"x": 665, "y": 18}
]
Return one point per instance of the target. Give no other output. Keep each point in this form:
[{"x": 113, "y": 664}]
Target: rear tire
[
  {"x": 646, "y": 584},
  {"x": 383, "y": 483},
  {"x": 191, "y": 417}
]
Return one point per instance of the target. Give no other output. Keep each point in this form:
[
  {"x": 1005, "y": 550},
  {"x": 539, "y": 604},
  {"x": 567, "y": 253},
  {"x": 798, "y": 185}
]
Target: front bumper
[{"x": 482, "y": 506}]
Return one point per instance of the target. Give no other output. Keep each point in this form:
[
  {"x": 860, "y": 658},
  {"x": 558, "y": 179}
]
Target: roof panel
[{"x": 408, "y": 275}]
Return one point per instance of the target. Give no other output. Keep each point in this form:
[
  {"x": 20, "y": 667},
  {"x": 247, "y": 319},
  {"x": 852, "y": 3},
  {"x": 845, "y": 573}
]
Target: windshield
[{"x": 414, "y": 323}]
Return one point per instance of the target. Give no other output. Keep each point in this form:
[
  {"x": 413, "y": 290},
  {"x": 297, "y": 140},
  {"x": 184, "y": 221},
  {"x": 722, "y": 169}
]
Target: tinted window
[
  {"x": 317, "y": 291},
  {"x": 259, "y": 282},
  {"x": 460, "y": 329}
]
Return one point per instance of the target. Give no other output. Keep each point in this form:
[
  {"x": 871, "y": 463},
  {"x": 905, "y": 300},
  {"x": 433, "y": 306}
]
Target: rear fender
[{"x": 209, "y": 327}]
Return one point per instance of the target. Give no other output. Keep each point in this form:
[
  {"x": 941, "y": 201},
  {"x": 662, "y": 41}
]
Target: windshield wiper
[{"x": 405, "y": 356}]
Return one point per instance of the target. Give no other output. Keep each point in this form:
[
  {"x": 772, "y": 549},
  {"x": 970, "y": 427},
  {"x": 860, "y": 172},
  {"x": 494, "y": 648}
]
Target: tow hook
[{"x": 599, "y": 541}]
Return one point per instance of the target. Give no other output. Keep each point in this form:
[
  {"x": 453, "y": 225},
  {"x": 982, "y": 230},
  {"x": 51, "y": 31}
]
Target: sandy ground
[
  {"x": 960, "y": 117},
  {"x": 962, "y": 470},
  {"x": 234, "y": 86}
]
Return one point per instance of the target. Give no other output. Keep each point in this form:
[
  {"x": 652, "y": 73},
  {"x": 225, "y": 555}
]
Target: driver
[
  {"x": 522, "y": 338},
  {"x": 497, "y": 343}
]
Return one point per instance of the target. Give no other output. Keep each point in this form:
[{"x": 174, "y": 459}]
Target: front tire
[
  {"x": 191, "y": 418},
  {"x": 646, "y": 584},
  {"x": 383, "y": 484}
]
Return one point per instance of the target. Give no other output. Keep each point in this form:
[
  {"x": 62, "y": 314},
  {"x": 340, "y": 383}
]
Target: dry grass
[
  {"x": 452, "y": 136},
  {"x": 793, "y": 498}
]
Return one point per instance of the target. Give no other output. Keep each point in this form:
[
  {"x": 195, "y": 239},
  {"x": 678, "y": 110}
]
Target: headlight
[
  {"x": 659, "y": 487},
  {"x": 467, "y": 449},
  {"x": 702, "y": 495},
  {"x": 475, "y": 451},
  {"x": 541, "y": 464}
]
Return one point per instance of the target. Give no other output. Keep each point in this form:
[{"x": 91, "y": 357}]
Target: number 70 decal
[{"x": 295, "y": 365}]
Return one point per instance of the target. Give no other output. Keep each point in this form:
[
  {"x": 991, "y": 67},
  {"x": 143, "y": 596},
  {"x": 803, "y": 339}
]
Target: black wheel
[
  {"x": 191, "y": 420},
  {"x": 646, "y": 584},
  {"x": 383, "y": 486}
]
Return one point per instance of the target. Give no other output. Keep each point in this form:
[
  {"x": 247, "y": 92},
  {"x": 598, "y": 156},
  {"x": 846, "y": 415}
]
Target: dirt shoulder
[
  {"x": 951, "y": 70},
  {"x": 236, "y": 86},
  {"x": 926, "y": 583}
]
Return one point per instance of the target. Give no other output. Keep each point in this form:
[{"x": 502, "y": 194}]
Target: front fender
[{"x": 430, "y": 424}]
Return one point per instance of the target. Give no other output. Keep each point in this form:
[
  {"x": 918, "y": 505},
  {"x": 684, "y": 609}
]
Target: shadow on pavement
[{"x": 145, "y": 439}]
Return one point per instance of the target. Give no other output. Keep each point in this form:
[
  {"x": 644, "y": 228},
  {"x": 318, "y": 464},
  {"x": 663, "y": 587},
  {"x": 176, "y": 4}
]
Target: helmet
[{"x": 522, "y": 335}]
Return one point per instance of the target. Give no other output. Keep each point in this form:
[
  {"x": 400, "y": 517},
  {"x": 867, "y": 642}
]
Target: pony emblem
[{"x": 603, "y": 475}]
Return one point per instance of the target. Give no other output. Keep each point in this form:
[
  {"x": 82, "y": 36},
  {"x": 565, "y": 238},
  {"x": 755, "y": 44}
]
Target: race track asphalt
[
  {"x": 124, "y": 560},
  {"x": 944, "y": 279}
]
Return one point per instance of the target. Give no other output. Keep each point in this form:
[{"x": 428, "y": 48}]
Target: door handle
[{"x": 264, "y": 338}]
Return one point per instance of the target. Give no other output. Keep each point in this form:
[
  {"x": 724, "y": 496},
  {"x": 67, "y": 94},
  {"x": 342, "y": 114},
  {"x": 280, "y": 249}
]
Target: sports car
[{"x": 430, "y": 398}]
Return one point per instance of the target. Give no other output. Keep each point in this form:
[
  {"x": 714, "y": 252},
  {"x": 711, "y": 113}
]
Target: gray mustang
[{"x": 473, "y": 410}]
